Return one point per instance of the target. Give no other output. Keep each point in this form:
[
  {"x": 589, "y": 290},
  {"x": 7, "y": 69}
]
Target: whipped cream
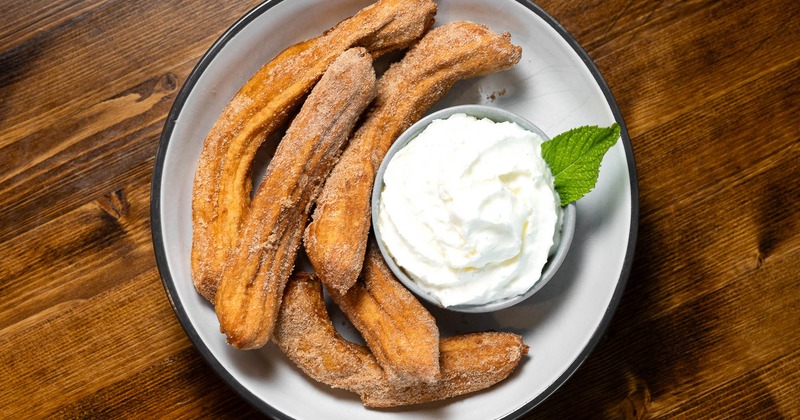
[{"x": 469, "y": 210}]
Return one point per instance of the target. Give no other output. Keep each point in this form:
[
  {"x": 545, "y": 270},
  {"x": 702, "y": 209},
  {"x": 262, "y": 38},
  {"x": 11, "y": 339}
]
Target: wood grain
[{"x": 707, "y": 327}]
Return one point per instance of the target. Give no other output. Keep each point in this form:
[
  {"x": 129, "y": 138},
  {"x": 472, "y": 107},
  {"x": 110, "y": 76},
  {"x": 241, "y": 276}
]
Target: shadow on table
[{"x": 662, "y": 355}]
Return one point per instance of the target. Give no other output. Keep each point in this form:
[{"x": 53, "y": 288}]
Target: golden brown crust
[
  {"x": 221, "y": 192},
  {"x": 336, "y": 239},
  {"x": 469, "y": 362},
  {"x": 252, "y": 281},
  {"x": 399, "y": 331},
  {"x": 305, "y": 334}
]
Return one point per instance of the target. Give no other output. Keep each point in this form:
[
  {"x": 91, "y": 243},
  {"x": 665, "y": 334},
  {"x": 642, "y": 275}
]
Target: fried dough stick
[
  {"x": 399, "y": 331},
  {"x": 221, "y": 192},
  {"x": 336, "y": 239},
  {"x": 304, "y": 332},
  {"x": 252, "y": 281},
  {"x": 469, "y": 363}
]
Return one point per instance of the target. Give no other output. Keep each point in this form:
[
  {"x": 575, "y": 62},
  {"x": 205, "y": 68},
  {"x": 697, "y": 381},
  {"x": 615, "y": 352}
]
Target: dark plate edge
[
  {"x": 167, "y": 281},
  {"x": 634, "y": 183}
]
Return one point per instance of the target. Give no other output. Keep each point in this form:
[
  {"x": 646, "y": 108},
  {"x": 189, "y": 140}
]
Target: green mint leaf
[{"x": 574, "y": 158}]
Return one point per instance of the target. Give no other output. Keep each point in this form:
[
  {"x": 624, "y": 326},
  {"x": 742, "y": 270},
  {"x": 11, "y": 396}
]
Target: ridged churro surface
[
  {"x": 253, "y": 278},
  {"x": 399, "y": 331},
  {"x": 336, "y": 239},
  {"x": 469, "y": 362},
  {"x": 222, "y": 185}
]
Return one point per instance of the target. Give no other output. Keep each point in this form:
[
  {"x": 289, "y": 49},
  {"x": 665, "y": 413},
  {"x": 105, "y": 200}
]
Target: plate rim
[{"x": 180, "y": 310}]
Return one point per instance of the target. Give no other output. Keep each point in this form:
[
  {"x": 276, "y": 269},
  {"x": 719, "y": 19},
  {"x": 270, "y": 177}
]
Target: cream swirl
[{"x": 469, "y": 210}]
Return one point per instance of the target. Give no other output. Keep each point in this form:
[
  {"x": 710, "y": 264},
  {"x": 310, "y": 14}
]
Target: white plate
[{"x": 555, "y": 85}]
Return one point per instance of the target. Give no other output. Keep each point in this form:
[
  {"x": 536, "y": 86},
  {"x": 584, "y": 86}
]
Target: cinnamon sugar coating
[
  {"x": 468, "y": 362},
  {"x": 222, "y": 186},
  {"x": 336, "y": 239},
  {"x": 253, "y": 278},
  {"x": 399, "y": 331}
]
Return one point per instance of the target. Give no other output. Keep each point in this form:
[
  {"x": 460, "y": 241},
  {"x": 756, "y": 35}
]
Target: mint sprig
[{"x": 574, "y": 158}]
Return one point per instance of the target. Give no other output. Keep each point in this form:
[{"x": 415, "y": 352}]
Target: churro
[
  {"x": 222, "y": 185},
  {"x": 336, "y": 239},
  {"x": 399, "y": 331},
  {"x": 469, "y": 362},
  {"x": 252, "y": 281}
]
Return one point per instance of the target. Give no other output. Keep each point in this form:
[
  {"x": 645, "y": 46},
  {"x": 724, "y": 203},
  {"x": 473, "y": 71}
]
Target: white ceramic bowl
[
  {"x": 496, "y": 115},
  {"x": 555, "y": 85}
]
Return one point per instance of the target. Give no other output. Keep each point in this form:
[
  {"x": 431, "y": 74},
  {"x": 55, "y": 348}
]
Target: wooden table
[{"x": 709, "y": 325}]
